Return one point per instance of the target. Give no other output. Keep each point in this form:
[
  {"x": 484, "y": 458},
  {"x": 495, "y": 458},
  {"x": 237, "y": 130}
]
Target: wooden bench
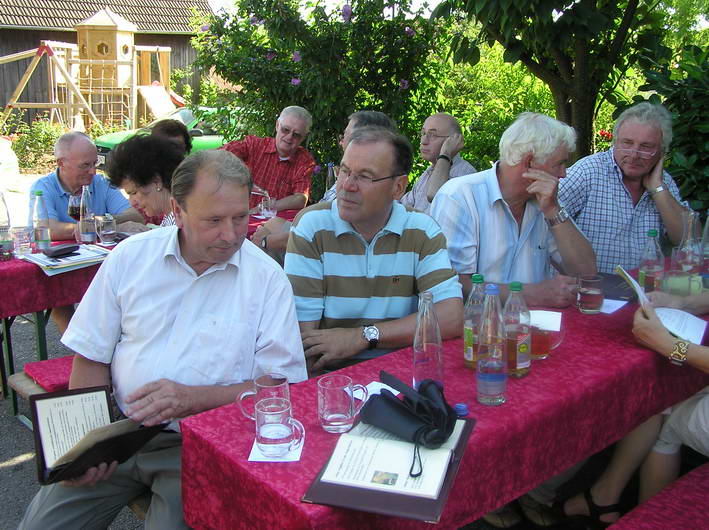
[{"x": 682, "y": 504}]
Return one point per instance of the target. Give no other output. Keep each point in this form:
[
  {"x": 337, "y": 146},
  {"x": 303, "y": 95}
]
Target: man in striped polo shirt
[{"x": 358, "y": 263}]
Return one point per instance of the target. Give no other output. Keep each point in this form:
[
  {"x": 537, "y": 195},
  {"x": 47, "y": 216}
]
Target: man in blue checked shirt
[{"x": 616, "y": 196}]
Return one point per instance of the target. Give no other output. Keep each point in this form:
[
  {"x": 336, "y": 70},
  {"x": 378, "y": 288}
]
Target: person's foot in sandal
[
  {"x": 505, "y": 517},
  {"x": 538, "y": 513},
  {"x": 584, "y": 505}
]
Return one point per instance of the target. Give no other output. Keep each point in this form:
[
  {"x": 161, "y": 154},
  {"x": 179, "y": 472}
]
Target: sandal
[
  {"x": 595, "y": 511},
  {"x": 538, "y": 513},
  {"x": 505, "y": 517}
]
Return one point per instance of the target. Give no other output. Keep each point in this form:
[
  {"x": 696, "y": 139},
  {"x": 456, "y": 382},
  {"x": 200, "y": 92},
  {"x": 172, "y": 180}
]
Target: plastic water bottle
[
  {"x": 5, "y": 235},
  {"x": 40, "y": 223},
  {"x": 518, "y": 337},
  {"x": 491, "y": 375},
  {"x": 428, "y": 363},
  {"x": 652, "y": 264},
  {"x": 471, "y": 320},
  {"x": 87, "y": 225}
]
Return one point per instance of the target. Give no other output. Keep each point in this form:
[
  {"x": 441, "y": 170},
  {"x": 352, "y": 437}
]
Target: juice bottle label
[{"x": 469, "y": 340}]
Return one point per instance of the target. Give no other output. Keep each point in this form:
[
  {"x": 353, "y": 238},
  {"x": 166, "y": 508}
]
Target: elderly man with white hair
[
  {"x": 616, "y": 196},
  {"x": 280, "y": 165},
  {"x": 506, "y": 223}
]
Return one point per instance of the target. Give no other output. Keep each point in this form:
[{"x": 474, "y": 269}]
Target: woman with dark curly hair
[{"x": 143, "y": 166}]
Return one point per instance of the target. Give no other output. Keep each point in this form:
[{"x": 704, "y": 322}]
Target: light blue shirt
[
  {"x": 104, "y": 197},
  {"x": 483, "y": 235}
]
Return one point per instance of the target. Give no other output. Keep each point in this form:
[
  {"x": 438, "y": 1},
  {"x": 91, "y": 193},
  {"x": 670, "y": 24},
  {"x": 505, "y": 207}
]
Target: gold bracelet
[{"x": 678, "y": 355}]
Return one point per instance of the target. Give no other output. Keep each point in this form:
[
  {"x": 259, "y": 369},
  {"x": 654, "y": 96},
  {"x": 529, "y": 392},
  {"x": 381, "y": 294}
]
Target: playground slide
[{"x": 157, "y": 98}]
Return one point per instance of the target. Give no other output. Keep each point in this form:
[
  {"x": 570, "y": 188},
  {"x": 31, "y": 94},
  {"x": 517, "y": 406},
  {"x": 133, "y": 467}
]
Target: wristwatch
[
  {"x": 264, "y": 243},
  {"x": 445, "y": 157},
  {"x": 371, "y": 334},
  {"x": 654, "y": 191},
  {"x": 678, "y": 355},
  {"x": 561, "y": 216}
]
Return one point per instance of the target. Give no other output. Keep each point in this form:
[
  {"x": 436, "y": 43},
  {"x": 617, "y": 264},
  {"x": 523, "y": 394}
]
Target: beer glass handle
[
  {"x": 363, "y": 398},
  {"x": 298, "y": 434},
  {"x": 240, "y": 401}
]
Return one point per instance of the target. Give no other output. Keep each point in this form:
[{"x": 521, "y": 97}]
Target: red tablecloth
[
  {"x": 590, "y": 392},
  {"x": 255, "y": 222},
  {"x": 26, "y": 289},
  {"x": 682, "y": 504}
]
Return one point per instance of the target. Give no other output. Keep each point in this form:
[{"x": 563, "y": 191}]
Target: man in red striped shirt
[{"x": 280, "y": 165}]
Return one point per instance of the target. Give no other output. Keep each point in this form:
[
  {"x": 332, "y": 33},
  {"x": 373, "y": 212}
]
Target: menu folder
[{"x": 390, "y": 503}]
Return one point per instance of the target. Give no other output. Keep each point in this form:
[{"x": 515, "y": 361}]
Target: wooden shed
[{"x": 24, "y": 23}]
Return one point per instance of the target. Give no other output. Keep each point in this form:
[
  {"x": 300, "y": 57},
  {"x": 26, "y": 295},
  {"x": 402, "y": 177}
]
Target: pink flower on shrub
[
  {"x": 317, "y": 169},
  {"x": 270, "y": 56},
  {"x": 296, "y": 57},
  {"x": 347, "y": 13},
  {"x": 295, "y": 81},
  {"x": 409, "y": 31},
  {"x": 404, "y": 84}
]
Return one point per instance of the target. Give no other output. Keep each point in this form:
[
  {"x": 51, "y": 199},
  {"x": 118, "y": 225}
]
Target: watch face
[{"x": 371, "y": 333}]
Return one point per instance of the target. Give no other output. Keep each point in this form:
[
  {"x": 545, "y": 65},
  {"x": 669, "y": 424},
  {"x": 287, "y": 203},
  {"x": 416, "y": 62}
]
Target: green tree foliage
[
  {"x": 579, "y": 49},
  {"x": 684, "y": 88},
  {"x": 370, "y": 55}
]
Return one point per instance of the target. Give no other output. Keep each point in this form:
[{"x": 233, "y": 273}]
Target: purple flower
[
  {"x": 254, "y": 20},
  {"x": 270, "y": 56},
  {"x": 205, "y": 27},
  {"x": 347, "y": 13},
  {"x": 296, "y": 57},
  {"x": 317, "y": 169},
  {"x": 409, "y": 31},
  {"x": 295, "y": 81},
  {"x": 403, "y": 84}
]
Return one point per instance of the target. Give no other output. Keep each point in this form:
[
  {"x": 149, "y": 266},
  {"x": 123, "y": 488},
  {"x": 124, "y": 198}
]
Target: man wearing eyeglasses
[
  {"x": 280, "y": 165},
  {"x": 616, "y": 196},
  {"x": 358, "y": 263},
  {"x": 76, "y": 158},
  {"x": 441, "y": 141}
]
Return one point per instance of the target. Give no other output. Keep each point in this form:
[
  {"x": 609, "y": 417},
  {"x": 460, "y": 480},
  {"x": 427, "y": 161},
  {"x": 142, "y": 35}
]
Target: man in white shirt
[
  {"x": 441, "y": 141},
  {"x": 506, "y": 223},
  {"x": 179, "y": 320}
]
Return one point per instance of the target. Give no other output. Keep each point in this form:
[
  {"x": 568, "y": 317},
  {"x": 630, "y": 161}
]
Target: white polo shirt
[{"x": 150, "y": 316}]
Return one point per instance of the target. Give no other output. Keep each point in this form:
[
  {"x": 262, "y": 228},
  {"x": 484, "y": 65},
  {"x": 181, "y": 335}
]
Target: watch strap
[
  {"x": 655, "y": 191},
  {"x": 678, "y": 355},
  {"x": 445, "y": 157}
]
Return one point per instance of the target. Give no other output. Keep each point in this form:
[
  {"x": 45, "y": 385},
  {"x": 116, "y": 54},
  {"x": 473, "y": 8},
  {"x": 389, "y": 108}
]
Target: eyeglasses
[
  {"x": 641, "y": 154},
  {"x": 87, "y": 165},
  {"x": 431, "y": 134},
  {"x": 285, "y": 131},
  {"x": 344, "y": 174}
]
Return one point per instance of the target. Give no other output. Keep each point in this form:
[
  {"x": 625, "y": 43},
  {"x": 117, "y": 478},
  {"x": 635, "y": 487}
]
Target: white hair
[
  {"x": 537, "y": 134},
  {"x": 66, "y": 142},
  {"x": 648, "y": 114},
  {"x": 300, "y": 113}
]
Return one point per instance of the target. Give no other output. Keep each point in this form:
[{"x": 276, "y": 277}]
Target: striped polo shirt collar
[{"x": 395, "y": 224}]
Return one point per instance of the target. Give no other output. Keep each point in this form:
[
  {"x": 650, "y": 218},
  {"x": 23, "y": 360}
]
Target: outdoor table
[
  {"x": 27, "y": 289},
  {"x": 590, "y": 392},
  {"x": 255, "y": 222}
]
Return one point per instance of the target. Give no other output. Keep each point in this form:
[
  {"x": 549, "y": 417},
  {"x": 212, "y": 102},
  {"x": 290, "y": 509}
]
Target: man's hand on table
[
  {"x": 160, "y": 401},
  {"x": 93, "y": 475},
  {"x": 327, "y": 346},
  {"x": 559, "y": 291}
]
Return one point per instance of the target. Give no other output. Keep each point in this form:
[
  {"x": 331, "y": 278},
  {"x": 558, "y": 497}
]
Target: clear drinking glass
[
  {"x": 337, "y": 406},
  {"x": 106, "y": 229},
  {"x": 272, "y": 385},
  {"x": 590, "y": 294},
  {"x": 277, "y": 432},
  {"x": 22, "y": 239}
]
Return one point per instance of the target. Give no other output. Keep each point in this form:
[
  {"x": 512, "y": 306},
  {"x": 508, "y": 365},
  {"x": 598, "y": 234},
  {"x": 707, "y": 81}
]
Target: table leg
[
  {"x": 9, "y": 362},
  {"x": 40, "y": 323}
]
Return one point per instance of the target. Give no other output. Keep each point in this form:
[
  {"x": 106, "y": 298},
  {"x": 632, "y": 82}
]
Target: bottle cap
[
  {"x": 492, "y": 288},
  {"x": 38, "y": 193},
  {"x": 515, "y": 286},
  {"x": 461, "y": 410},
  {"x": 477, "y": 278},
  {"x": 652, "y": 233}
]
